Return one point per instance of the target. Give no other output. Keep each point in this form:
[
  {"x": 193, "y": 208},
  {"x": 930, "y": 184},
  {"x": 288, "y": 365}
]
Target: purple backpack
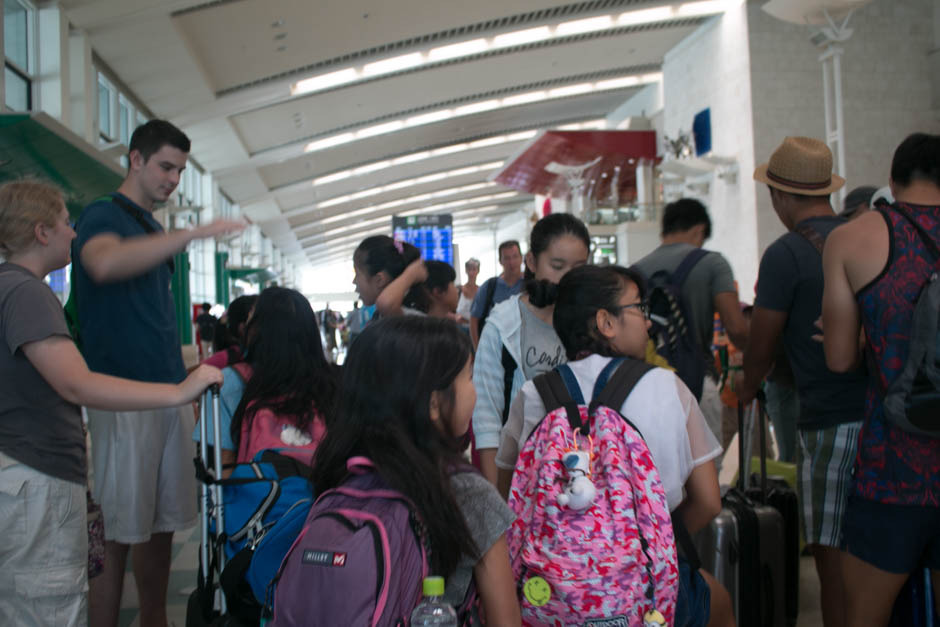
[{"x": 359, "y": 559}]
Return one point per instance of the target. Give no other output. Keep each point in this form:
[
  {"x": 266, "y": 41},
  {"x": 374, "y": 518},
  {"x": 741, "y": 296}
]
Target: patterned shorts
[{"x": 825, "y": 458}]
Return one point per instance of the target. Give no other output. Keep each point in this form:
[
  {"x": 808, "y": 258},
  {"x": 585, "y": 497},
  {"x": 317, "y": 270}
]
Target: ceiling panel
[
  {"x": 306, "y": 166},
  {"x": 263, "y": 38},
  {"x": 428, "y": 90}
]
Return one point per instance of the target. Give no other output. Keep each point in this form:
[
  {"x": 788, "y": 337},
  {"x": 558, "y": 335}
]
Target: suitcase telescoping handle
[
  {"x": 756, "y": 413},
  {"x": 211, "y": 492}
]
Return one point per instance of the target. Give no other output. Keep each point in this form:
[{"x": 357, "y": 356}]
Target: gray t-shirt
[
  {"x": 487, "y": 516},
  {"x": 37, "y": 426},
  {"x": 541, "y": 348},
  {"x": 709, "y": 277}
]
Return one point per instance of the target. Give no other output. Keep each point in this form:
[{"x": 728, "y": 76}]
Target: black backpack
[
  {"x": 675, "y": 340},
  {"x": 912, "y": 401},
  {"x": 487, "y": 303}
]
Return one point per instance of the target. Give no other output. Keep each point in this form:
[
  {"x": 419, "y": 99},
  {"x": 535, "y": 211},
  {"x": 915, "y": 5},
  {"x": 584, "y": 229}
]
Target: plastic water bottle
[{"x": 433, "y": 610}]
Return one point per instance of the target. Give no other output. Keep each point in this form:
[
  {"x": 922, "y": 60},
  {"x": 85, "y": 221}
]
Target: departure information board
[{"x": 433, "y": 235}]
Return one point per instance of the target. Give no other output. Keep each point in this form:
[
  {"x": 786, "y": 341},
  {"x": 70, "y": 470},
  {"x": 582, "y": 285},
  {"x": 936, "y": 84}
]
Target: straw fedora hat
[{"x": 800, "y": 165}]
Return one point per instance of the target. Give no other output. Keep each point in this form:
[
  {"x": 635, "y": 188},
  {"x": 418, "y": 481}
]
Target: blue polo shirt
[
  {"x": 502, "y": 292},
  {"x": 129, "y": 327}
]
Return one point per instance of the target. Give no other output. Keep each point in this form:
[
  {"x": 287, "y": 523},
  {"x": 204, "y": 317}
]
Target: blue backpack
[
  {"x": 675, "y": 340},
  {"x": 266, "y": 503}
]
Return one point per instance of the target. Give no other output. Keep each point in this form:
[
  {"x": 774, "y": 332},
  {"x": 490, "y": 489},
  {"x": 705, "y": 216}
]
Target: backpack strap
[
  {"x": 685, "y": 267},
  {"x": 621, "y": 384},
  {"x": 509, "y": 372},
  {"x": 604, "y": 376},
  {"x": 490, "y": 295},
  {"x": 551, "y": 388},
  {"x": 811, "y": 235},
  {"x": 571, "y": 384}
]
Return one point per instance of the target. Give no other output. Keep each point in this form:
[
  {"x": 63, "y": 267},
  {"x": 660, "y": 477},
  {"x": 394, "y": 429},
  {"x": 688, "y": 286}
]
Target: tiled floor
[
  {"x": 186, "y": 561},
  {"x": 182, "y": 582}
]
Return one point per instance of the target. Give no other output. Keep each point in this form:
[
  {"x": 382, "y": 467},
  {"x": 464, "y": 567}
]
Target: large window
[{"x": 17, "y": 48}]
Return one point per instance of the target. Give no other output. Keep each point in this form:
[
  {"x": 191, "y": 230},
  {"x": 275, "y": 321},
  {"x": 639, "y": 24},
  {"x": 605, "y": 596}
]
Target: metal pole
[
  {"x": 219, "y": 505},
  {"x": 840, "y": 129},
  {"x": 203, "y": 455}
]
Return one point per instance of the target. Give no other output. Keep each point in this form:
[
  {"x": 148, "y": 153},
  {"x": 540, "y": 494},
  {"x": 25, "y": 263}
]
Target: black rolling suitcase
[
  {"x": 776, "y": 493},
  {"x": 744, "y": 547}
]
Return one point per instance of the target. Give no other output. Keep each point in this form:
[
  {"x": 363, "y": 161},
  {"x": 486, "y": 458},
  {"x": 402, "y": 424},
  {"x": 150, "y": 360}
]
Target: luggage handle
[
  {"x": 211, "y": 494},
  {"x": 757, "y": 413}
]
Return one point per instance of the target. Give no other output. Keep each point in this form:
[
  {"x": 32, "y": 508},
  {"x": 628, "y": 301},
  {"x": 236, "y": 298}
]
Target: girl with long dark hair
[
  {"x": 405, "y": 402},
  {"x": 284, "y": 371},
  {"x": 518, "y": 341}
]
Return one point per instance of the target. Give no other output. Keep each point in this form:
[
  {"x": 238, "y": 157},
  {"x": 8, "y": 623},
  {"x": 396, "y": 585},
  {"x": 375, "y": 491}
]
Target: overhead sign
[{"x": 433, "y": 235}]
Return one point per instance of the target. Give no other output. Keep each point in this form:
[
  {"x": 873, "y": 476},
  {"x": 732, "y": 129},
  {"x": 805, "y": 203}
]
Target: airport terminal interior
[{"x": 456, "y": 126}]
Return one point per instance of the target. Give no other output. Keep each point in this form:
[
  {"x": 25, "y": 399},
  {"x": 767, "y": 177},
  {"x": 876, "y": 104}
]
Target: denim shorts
[
  {"x": 693, "y": 606},
  {"x": 895, "y": 538}
]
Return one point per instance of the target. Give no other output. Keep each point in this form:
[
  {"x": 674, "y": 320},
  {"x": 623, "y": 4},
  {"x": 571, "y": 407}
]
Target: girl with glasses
[{"x": 600, "y": 314}]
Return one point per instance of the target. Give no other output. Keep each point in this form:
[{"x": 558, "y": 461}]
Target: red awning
[{"x": 623, "y": 149}]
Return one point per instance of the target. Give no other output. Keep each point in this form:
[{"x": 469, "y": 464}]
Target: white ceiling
[{"x": 223, "y": 71}]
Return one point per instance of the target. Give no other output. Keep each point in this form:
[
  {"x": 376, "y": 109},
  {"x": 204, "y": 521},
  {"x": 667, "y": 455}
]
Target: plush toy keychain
[
  {"x": 654, "y": 618},
  {"x": 580, "y": 491}
]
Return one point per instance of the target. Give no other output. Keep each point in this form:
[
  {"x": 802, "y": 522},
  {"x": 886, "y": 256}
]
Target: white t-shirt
[{"x": 661, "y": 407}]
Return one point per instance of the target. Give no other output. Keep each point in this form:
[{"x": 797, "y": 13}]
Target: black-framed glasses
[{"x": 643, "y": 307}]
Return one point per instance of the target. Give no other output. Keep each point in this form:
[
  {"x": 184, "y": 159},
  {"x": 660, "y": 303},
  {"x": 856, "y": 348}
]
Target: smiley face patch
[{"x": 537, "y": 591}]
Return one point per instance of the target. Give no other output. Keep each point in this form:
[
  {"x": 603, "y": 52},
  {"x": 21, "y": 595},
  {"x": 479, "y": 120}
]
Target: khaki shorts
[
  {"x": 44, "y": 552},
  {"x": 143, "y": 473}
]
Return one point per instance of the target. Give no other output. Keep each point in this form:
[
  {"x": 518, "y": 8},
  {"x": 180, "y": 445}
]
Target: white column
[
  {"x": 83, "y": 88},
  {"x": 52, "y": 77}
]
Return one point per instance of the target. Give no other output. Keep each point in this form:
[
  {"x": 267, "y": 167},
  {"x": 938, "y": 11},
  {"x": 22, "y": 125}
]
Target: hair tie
[{"x": 398, "y": 246}]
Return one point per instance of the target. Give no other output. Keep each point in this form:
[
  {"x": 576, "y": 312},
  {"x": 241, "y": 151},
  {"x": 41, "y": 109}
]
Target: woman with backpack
[
  {"x": 391, "y": 462},
  {"x": 600, "y": 315},
  {"x": 277, "y": 396},
  {"x": 518, "y": 341}
]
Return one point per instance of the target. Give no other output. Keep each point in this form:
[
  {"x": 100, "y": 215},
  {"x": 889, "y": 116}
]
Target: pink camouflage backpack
[
  {"x": 268, "y": 430},
  {"x": 592, "y": 543}
]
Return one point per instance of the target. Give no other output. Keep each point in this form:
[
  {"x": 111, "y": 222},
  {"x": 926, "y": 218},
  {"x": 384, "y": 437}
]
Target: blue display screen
[{"x": 433, "y": 235}]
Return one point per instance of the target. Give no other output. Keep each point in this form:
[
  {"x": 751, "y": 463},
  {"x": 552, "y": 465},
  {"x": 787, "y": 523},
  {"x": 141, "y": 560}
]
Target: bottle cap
[{"x": 433, "y": 586}]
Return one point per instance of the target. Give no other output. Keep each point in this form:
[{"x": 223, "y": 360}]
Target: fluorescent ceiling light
[
  {"x": 372, "y": 167},
  {"x": 417, "y": 156},
  {"x": 570, "y": 90},
  {"x": 588, "y": 25},
  {"x": 533, "y": 96},
  {"x": 617, "y": 83},
  {"x": 380, "y": 129},
  {"x": 645, "y": 16},
  {"x": 428, "y": 118},
  {"x": 477, "y": 107},
  {"x": 324, "y": 81},
  {"x": 329, "y": 142},
  {"x": 515, "y": 38},
  {"x": 332, "y": 178},
  {"x": 395, "y": 64},
  {"x": 521, "y": 37},
  {"x": 462, "y": 49}
]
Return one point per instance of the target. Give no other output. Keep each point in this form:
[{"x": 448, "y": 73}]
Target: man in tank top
[{"x": 875, "y": 269}]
